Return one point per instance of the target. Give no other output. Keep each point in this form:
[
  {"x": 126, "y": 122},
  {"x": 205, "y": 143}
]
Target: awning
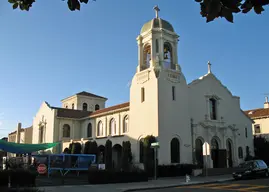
[{"x": 24, "y": 148}]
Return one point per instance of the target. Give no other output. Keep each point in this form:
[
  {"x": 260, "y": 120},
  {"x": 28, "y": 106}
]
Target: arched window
[
  {"x": 240, "y": 152},
  {"x": 141, "y": 150},
  {"x": 147, "y": 56},
  {"x": 73, "y": 105},
  {"x": 112, "y": 127},
  {"x": 213, "y": 108},
  {"x": 41, "y": 134},
  {"x": 175, "y": 150},
  {"x": 157, "y": 46},
  {"x": 89, "y": 130},
  {"x": 125, "y": 124},
  {"x": 85, "y": 107},
  {"x": 214, "y": 144},
  {"x": 100, "y": 131},
  {"x": 168, "y": 56},
  {"x": 97, "y": 107},
  {"x": 66, "y": 130}
]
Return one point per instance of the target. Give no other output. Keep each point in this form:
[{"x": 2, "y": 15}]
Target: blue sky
[{"x": 50, "y": 52}]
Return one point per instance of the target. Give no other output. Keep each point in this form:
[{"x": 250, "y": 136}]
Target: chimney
[
  {"x": 18, "y": 134},
  {"x": 266, "y": 104}
]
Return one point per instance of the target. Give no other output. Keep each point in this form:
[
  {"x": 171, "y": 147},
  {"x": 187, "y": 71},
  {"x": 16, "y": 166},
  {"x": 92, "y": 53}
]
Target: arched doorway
[
  {"x": 175, "y": 150},
  {"x": 116, "y": 156},
  {"x": 215, "y": 152},
  {"x": 229, "y": 153},
  {"x": 199, "y": 152},
  {"x": 101, "y": 154}
]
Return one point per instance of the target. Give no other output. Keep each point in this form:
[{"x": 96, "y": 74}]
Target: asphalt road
[{"x": 244, "y": 185}]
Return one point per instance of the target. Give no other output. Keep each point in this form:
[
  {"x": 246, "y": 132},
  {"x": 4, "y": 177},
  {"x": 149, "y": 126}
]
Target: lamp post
[{"x": 155, "y": 146}]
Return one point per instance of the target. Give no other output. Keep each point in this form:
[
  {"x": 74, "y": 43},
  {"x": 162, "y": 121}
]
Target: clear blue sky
[{"x": 50, "y": 52}]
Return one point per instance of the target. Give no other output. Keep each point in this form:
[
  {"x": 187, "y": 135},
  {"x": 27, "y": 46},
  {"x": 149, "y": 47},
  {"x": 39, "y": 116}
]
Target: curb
[{"x": 178, "y": 185}]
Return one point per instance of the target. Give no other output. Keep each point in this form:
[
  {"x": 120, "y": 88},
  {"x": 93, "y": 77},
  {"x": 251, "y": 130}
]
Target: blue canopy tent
[{"x": 24, "y": 148}]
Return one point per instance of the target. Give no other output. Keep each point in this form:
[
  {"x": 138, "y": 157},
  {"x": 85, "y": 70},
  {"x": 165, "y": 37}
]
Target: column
[
  {"x": 161, "y": 51},
  {"x": 60, "y": 130},
  {"x": 73, "y": 130},
  {"x": 120, "y": 125}
]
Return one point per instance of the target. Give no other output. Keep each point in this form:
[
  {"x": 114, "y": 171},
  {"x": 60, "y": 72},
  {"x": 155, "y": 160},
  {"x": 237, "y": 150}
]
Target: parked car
[{"x": 251, "y": 169}]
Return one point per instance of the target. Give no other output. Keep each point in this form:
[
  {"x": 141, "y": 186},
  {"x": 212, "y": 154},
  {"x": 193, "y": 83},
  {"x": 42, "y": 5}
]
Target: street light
[{"x": 155, "y": 146}]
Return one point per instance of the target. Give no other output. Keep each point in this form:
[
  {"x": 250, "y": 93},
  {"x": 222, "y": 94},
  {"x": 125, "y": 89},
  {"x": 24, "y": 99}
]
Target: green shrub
[
  {"x": 126, "y": 155},
  {"x": 108, "y": 154}
]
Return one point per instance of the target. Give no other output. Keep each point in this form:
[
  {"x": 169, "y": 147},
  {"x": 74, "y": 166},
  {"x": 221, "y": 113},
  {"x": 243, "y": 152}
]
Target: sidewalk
[{"x": 152, "y": 184}]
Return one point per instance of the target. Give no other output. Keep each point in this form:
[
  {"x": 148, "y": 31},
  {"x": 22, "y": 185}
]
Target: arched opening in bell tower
[
  {"x": 147, "y": 57},
  {"x": 168, "y": 56}
]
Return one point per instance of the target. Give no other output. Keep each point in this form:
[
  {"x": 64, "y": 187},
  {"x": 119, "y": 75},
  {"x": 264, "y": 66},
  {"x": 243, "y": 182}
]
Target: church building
[{"x": 162, "y": 104}]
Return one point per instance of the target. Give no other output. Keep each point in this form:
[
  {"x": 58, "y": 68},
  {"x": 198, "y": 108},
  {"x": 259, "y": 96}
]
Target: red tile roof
[
  {"x": 257, "y": 113},
  {"x": 112, "y": 108},
  {"x": 71, "y": 113},
  {"x": 78, "y": 114}
]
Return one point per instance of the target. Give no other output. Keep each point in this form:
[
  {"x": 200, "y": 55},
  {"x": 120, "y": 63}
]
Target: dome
[{"x": 157, "y": 23}]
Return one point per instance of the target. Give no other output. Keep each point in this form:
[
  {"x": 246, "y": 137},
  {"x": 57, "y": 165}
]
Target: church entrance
[
  {"x": 229, "y": 153},
  {"x": 215, "y": 152}
]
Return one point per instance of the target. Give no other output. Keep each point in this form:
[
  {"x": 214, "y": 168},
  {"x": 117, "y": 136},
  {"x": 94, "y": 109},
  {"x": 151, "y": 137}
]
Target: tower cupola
[{"x": 157, "y": 45}]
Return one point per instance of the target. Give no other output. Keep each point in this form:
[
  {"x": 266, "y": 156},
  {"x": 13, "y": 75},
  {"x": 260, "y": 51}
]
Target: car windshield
[{"x": 246, "y": 165}]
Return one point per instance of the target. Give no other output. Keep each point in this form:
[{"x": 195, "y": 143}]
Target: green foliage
[
  {"x": 212, "y": 9},
  {"x": 148, "y": 152},
  {"x": 25, "y": 5},
  {"x": 91, "y": 148},
  {"x": 67, "y": 151},
  {"x": 261, "y": 145},
  {"x": 108, "y": 154},
  {"x": 76, "y": 148},
  {"x": 126, "y": 155}
]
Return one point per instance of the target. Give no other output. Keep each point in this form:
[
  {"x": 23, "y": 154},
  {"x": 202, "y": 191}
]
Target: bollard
[
  {"x": 9, "y": 182},
  {"x": 188, "y": 178}
]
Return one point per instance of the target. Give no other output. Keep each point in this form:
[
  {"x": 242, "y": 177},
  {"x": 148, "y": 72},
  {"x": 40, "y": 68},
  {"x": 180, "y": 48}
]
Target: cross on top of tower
[
  {"x": 209, "y": 66},
  {"x": 156, "y": 8}
]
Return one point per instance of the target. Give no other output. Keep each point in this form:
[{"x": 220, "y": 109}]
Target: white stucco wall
[
  {"x": 143, "y": 115},
  {"x": 264, "y": 125},
  {"x": 173, "y": 116},
  {"x": 91, "y": 102},
  {"x": 229, "y": 115},
  {"x": 45, "y": 114}
]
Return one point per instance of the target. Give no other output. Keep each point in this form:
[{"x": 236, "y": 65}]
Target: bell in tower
[{"x": 157, "y": 45}]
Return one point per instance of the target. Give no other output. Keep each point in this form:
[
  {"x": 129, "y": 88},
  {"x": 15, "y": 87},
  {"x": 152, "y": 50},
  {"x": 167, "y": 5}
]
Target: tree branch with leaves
[
  {"x": 212, "y": 9},
  {"x": 25, "y": 5}
]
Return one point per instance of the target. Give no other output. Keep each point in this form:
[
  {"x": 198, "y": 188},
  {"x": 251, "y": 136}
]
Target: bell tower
[
  {"x": 158, "y": 92},
  {"x": 157, "y": 45}
]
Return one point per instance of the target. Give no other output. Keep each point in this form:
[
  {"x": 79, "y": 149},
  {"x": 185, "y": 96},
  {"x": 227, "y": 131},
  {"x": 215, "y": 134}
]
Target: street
[{"x": 244, "y": 185}]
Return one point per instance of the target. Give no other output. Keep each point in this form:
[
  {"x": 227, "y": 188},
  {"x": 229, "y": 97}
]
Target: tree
[
  {"x": 27, "y": 4},
  {"x": 212, "y": 9},
  {"x": 149, "y": 153},
  {"x": 76, "y": 148},
  {"x": 91, "y": 148},
  {"x": 108, "y": 154},
  {"x": 260, "y": 146},
  {"x": 126, "y": 155}
]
